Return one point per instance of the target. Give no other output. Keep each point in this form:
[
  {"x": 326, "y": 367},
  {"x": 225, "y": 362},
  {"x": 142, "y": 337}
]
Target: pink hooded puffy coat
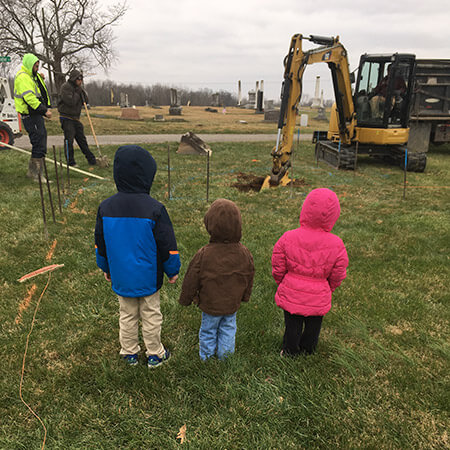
[{"x": 309, "y": 263}]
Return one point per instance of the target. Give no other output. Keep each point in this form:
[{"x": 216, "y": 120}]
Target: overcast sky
[{"x": 213, "y": 44}]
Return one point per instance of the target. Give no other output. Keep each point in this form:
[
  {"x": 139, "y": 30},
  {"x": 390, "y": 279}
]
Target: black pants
[
  {"x": 301, "y": 334},
  {"x": 73, "y": 129},
  {"x": 37, "y": 133}
]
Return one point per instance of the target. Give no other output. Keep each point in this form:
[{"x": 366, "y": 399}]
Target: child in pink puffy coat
[{"x": 308, "y": 264}]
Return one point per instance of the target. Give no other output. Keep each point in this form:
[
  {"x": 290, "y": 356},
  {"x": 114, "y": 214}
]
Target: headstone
[
  {"x": 260, "y": 103},
  {"x": 215, "y": 100},
  {"x": 251, "y": 99},
  {"x": 239, "y": 93},
  {"x": 173, "y": 97},
  {"x": 130, "y": 114},
  {"x": 321, "y": 114},
  {"x": 316, "y": 99},
  {"x": 159, "y": 118},
  {"x": 271, "y": 115},
  {"x": 175, "y": 108},
  {"x": 124, "y": 100},
  {"x": 304, "y": 120}
]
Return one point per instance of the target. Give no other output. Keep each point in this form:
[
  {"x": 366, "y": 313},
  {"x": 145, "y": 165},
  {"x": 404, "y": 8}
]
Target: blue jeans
[{"x": 217, "y": 333}]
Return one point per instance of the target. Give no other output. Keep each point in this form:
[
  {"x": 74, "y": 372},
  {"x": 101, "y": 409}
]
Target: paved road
[{"x": 122, "y": 139}]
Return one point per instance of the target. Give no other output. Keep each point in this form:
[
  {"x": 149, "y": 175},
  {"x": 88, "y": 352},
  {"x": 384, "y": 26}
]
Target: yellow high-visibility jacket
[{"x": 30, "y": 90}]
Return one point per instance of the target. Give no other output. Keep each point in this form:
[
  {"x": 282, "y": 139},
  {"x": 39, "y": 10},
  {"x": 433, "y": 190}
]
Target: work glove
[{"x": 83, "y": 95}]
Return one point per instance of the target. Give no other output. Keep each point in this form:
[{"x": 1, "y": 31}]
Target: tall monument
[{"x": 316, "y": 99}]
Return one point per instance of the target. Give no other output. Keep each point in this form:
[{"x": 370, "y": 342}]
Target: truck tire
[{"x": 6, "y": 135}]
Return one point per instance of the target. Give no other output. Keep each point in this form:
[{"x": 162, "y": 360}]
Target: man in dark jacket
[
  {"x": 135, "y": 245},
  {"x": 219, "y": 278},
  {"x": 72, "y": 97}
]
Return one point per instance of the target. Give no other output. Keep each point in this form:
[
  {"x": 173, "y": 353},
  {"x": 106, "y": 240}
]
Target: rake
[{"x": 102, "y": 160}]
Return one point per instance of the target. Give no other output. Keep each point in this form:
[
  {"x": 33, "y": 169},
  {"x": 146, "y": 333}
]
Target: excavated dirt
[{"x": 247, "y": 182}]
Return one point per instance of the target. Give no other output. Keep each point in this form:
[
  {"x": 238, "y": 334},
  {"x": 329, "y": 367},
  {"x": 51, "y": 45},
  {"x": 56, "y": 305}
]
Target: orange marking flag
[
  {"x": 51, "y": 251},
  {"x": 25, "y": 303},
  {"x": 40, "y": 271}
]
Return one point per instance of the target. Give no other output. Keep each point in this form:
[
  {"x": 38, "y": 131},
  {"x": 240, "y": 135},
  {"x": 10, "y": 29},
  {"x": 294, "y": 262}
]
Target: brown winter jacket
[
  {"x": 71, "y": 97},
  {"x": 220, "y": 276}
]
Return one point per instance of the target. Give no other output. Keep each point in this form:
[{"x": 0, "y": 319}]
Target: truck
[
  {"x": 10, "y": 124},
  {"x": 430, "y": 111}
]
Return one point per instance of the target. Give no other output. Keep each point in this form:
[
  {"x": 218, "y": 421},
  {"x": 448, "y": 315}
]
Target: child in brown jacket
[{"x": 219, "y": 278}]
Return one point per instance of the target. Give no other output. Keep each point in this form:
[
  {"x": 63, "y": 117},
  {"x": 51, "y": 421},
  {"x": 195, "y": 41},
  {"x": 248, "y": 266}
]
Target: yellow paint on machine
[{"x": 382, "y": 136}]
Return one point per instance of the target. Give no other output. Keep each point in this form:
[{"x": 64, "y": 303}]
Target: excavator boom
[{"x": 332, "y": 52}]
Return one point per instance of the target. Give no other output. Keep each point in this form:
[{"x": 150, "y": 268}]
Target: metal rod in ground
[
  {"x": 168, "y": 170},
  {"x": 67, "y": 165},
  {"x": 49, "y": 191},
  {"x": 57, "y": 179},
  {"x": 339, "y": 154},
  {"x": 292, "y": 160},
  {"x": 43, "y": 205},
  {"x": 356, "y": 157},
  {"x": 404, "y": 172},
  {"x": 62, "y": 172},
  {"x": 207, "y": 176}
]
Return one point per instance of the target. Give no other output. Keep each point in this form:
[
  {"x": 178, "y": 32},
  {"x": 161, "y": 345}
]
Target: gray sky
[{"x": 213, "y": 44}]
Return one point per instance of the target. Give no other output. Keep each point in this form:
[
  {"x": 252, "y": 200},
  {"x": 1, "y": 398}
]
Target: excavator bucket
[
  {"x": 284, "y": 181},
  {"x": 191, "y": 144}
]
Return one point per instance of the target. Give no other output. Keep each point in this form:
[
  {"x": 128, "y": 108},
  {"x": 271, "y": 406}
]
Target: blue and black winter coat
[{"x": 134, "y": 238}]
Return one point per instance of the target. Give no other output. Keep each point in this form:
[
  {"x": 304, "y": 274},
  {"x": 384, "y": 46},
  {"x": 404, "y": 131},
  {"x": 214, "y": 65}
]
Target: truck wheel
[{"x": 6, "y": 135}]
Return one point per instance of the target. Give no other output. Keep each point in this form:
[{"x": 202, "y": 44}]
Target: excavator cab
[{"x": 382, "y": 96}]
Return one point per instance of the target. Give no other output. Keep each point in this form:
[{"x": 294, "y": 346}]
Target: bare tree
[{"x": 63, "y": 34}]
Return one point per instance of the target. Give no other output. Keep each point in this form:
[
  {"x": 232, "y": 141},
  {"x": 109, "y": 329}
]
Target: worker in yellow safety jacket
[{"x": 33, "y": 103}]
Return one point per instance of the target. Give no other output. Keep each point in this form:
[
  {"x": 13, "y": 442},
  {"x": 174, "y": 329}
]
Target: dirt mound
[{"x": 248, "y": 182}]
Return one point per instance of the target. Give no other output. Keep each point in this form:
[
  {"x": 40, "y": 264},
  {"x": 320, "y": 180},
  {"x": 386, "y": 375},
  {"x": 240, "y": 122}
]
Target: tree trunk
[{"x": 58, "y": 74}]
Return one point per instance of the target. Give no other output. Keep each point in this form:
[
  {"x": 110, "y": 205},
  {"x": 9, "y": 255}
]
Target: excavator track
[
  {"x": 340, "y": 157},
  {"x": 415, "y": 162},
  {"x": 345, "y": 157}
]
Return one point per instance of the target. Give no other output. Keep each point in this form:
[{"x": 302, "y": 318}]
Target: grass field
[
  {"x": 194, "y": 118},
  {"x": 379, "y": 379}
]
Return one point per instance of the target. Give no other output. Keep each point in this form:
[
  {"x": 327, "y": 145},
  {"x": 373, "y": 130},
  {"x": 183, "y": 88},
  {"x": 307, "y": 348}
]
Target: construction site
[{"x": 379, "y": 374}]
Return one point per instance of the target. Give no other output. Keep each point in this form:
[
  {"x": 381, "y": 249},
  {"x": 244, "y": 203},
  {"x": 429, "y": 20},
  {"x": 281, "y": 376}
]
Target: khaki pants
[{"x": 148, "y": 310}]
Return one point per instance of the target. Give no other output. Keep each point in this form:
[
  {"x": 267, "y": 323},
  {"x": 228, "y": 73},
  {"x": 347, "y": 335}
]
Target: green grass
[{"x": 379, "y": 379}]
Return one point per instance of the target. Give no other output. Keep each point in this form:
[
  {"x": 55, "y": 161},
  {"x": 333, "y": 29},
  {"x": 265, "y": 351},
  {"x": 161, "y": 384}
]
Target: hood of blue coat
[
  {"x": 320, "y": 210},
  {"x": 28, "y": 61},
  {"x": 134, "y": 169},
  {"x": 223, "y": 221}
]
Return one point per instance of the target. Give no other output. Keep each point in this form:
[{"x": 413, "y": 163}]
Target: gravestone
[
  {"x": 175, "y": 108},
  {"x": 271, "y": 115},
  {"x": 130, "y": 114}
]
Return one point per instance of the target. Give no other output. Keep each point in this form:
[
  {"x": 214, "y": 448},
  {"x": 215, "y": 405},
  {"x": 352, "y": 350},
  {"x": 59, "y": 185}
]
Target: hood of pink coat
[{"x": 320, "y": 210}]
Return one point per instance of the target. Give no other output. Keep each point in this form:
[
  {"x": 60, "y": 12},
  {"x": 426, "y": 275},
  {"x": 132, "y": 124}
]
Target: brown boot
[{"x": 36, "y": 167}]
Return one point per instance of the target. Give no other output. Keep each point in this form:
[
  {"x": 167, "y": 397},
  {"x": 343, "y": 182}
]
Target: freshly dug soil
[{"x": 248, "y": 182}]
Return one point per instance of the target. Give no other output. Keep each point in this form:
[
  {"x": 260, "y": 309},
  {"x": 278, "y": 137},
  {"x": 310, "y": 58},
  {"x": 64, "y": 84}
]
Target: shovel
[{"x": 102, "y": 161}]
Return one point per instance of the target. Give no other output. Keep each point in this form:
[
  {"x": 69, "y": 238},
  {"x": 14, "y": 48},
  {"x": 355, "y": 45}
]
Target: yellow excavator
[{"x": 372, "y": 119}]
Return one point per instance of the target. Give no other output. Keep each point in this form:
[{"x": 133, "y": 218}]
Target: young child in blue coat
[{"x": 135, "y": 246}]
